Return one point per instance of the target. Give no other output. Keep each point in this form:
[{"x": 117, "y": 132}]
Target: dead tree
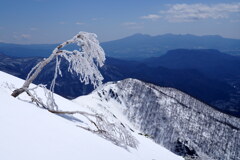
[{"x": 84, "y": 62}]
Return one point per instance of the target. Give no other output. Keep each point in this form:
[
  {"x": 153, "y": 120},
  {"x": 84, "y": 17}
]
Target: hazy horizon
[
  {"x": 49, "y": 21},
  {"x": 123, "y": 38}
]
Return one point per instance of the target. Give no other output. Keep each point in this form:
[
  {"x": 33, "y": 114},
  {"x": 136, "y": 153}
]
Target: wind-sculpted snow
[{"x": 177, "y": 121}]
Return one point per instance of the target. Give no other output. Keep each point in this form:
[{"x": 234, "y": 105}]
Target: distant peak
[{"x": 140, "y": 35}]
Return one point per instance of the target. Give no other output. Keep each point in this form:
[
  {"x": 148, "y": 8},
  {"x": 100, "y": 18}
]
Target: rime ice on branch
[{"x": 84, "y": 62}]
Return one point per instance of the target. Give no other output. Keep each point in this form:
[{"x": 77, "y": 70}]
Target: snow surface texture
[
  {"x": 173, "y": 119},
  {"x": 29, "y": 132}
]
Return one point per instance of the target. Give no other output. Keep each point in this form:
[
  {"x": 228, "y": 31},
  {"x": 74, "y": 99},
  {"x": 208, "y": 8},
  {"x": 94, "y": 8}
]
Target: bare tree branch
[{"x": 83, "y": 62}]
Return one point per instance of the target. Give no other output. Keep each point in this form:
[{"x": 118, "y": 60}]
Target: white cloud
[
  {"x": 80, "y": 23},
  {"x": 193, "y": 12},
  {"x": 151, "y": 17}
]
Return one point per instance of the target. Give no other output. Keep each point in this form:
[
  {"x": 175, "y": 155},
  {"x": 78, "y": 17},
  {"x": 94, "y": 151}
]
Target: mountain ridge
[
  {"x": 199, "y": 86},
  {"x": 176, "y": 120},
  {"x": 137, "y": 46},
  {"x": 145, "y": 46}
]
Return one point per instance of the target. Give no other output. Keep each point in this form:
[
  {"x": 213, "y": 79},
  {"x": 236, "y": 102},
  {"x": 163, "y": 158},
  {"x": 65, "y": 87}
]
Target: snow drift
[{"x": 29, "y": 132}]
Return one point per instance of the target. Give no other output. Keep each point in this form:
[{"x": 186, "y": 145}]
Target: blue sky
[{"x": 53, "y": 21}]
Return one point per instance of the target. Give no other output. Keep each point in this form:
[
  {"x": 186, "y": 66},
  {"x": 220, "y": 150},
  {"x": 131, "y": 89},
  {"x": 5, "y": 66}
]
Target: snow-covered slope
[
  {"x": 172, "y": 118},
  {"x": 29, "y": 132}
]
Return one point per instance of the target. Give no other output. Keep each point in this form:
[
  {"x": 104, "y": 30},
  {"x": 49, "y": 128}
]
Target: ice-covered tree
[{"x": 83, "y": 62}]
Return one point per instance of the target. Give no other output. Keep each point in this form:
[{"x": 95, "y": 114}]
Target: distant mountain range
[
  {"x": 171, "y": 117},
  {"x": 137, "y": 46},
  {"x": 143, "y": 46},
  {"x": 215, "y": 65},
  {"x": 211, "y": 62},
  {"x": 208, "y": 75},
  {"x": 31, "y": 50}
]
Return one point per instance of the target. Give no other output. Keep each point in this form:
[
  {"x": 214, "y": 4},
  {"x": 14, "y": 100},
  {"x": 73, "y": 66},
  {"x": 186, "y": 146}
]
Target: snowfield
[{"x": 32, "y": 133}]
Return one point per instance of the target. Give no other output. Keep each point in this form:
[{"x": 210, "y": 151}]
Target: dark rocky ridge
[{"x": 177, "y": 121}]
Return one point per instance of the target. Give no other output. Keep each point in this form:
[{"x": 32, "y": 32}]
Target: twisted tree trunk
[
  {"x": 41, "y": 65},
  {"x": 84, "y": 62}
]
